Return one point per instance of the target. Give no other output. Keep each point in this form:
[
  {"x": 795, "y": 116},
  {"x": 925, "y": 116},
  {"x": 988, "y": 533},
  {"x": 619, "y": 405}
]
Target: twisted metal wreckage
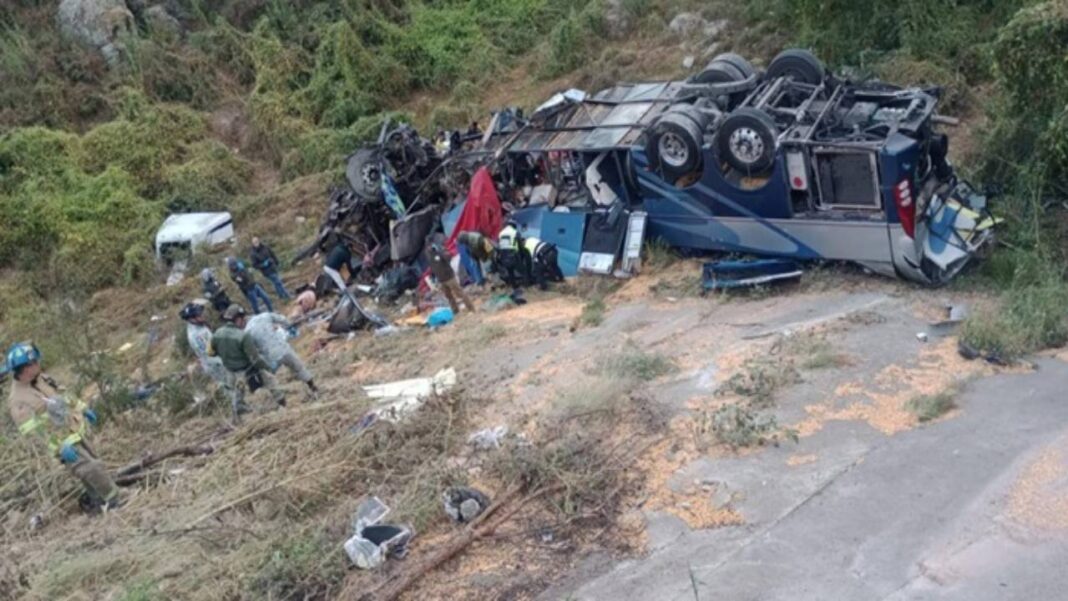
[{"x": 791, "y": 162}]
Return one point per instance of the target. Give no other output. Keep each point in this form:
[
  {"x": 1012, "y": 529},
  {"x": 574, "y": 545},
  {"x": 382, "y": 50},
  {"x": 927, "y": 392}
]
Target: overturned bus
[{"x": 790, "y": 162}]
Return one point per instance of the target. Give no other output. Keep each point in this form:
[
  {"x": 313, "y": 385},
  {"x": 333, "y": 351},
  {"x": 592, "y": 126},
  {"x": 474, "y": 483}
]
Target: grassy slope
[{"x": 119, "y": 315}]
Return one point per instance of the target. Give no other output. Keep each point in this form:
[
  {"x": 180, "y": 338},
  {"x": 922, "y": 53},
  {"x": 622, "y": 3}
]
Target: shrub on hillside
[
  {"x": 207, "y": 181},
  {"x": 142, "y": 144}
]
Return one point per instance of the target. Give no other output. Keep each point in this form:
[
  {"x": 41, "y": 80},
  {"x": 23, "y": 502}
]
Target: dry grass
[
  {"x": 276, "y": 493},
  {"x": 929, "y": 407},
  {"x": 811, "y": 350}
]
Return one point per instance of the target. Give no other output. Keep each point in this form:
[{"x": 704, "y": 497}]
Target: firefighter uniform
[{"x": 38, "y": 410}]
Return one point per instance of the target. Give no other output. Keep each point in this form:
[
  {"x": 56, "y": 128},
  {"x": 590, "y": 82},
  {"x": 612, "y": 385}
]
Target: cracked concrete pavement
[{"x": 926, "y": 513}]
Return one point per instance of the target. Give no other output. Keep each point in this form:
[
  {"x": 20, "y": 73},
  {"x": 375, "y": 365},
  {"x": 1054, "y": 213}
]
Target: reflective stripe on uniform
[
  {"x": 34, "y": 423},
  {"x": 506, "y": 240}
]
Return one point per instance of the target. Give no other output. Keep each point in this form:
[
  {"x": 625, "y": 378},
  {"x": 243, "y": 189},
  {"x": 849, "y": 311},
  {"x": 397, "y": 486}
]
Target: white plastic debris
[
  {"x": 372, "y": 542},
  {"x": 404, "y": 397},
  {"x": 488, "y": 438},
  {"x": 921, "y": 336}
]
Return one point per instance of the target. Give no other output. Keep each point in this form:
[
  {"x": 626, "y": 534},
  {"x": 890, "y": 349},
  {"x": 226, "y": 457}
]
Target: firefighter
[
  {"x": 544, "y": 262},
  {"x": 38, "y": 409}
]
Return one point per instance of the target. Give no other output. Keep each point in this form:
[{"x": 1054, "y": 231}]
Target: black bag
[{"x": 254, "y": 379}]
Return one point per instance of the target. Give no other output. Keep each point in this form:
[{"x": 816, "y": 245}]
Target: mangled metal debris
[{"x": 790, "y": 162}]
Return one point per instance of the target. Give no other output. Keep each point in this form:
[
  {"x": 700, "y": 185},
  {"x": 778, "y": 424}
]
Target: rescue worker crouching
[
  {"x": 232, "y": 344},
  {"x": 545, "y": 265},
  {"x": 39, "y": 410},
  {"x": 475, "y": 249},
  {"x": 512, "y": 261}
]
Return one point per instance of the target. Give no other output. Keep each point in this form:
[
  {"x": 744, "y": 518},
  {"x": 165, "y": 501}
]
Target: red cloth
[{"x": 482, "y": 213}]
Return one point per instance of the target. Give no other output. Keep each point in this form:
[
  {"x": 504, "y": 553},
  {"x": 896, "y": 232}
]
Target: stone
[
  {"x": 688, "y": 61},
  {"x": 617, "y": 21},
  {"x": 98, "y": 24},
  {"x": 687, "y": 24},
  {"x": 159, "y": 19},
  {"x": 712, "y": 29}
]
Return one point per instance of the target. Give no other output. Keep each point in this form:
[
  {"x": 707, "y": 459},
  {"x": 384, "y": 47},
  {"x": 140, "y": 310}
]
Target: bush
[
  {"x": 737, "y": 425},
  {"x": 637, "y": 364},
  {"x": 932, "y": 406},
  {"x": 301, "y": 567},
  {"x": 142, "y": 143},
  {"x": 566, "y": 46},
  {"x": 207, "y": 181}
]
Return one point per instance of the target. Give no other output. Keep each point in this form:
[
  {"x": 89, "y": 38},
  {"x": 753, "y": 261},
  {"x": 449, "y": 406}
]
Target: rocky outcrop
[{"x": 99, "y": 24}]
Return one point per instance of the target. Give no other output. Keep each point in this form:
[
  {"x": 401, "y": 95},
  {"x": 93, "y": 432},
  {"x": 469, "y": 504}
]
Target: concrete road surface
[{"x": 973, "y": 508}]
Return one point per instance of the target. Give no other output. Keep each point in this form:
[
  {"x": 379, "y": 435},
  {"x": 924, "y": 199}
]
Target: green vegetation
[
  {"x": 929, "y": 407},
  {"x": 634, "y": 363},
  {"x": 657, "y": 255},
  {"x": 145, "y": 590},
  {"x": 811, "y": 351},
  {"x": 593, "y": 313},
  {"x": 760, "y": 378},
  {"x": 301, "y": 567},
  {"x": 92, "y": 157},
  {"x": 739, "y": 425}
]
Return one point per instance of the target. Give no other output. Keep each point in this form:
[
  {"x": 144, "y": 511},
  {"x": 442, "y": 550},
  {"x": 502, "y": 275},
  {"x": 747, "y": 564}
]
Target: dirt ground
[{"x": 644, "y": 384}]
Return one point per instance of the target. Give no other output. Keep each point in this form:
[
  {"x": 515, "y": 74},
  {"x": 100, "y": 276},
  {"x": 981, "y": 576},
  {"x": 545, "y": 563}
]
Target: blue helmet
[{"x": 20, "y": 355}]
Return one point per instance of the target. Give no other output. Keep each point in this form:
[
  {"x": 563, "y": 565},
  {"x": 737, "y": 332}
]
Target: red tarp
[{"x": 482, "y": 213}]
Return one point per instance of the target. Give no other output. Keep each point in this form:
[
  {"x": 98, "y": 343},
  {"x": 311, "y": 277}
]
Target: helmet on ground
[
  {"x": 191, "y": 310},
  {"x": 20, "y": 355},
  {"x": 233, "y": 312}
]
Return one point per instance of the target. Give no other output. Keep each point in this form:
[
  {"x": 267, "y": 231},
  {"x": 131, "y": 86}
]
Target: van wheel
[
  {"x": 364, "y": 172},
  {"x": 747, "y": 141},
  {"x": 800, "y": 65},
  {"x": 719, "y": 71},
  {"x": 674, "y": 144},
  {"x": 738, "y": 61}
]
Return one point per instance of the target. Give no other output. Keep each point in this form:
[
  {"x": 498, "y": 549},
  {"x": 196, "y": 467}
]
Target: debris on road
[
  {"x": 463, "y": 504},
  {"x": 488, "y": 438},
  {"x": 372, "y": 542},
  {"x": 726, "y": 275},
  {"x": 404, "y": 397}
]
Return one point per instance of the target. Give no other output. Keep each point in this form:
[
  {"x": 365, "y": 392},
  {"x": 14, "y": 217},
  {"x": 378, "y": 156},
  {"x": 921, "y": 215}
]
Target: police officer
[
  {"x": 39, "y": 410},
  {"x": 544, "y": 262},
  {"x": 512, "y": 258}
]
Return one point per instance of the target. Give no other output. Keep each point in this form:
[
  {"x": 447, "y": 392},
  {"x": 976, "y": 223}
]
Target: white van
[{"x": 181, "y": 234}]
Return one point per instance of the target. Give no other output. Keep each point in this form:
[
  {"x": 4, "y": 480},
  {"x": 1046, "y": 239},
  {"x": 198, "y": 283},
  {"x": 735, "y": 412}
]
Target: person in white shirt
[
  {"x": 268, "y": 333},
  {"x": 199, "y": 336}
]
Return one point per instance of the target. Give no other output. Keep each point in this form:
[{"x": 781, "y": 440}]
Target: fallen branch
[
  {"x": 481, "y": 527},
  {"x": 153, "y": 459},
  {"x": 254, "y": 494}
]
